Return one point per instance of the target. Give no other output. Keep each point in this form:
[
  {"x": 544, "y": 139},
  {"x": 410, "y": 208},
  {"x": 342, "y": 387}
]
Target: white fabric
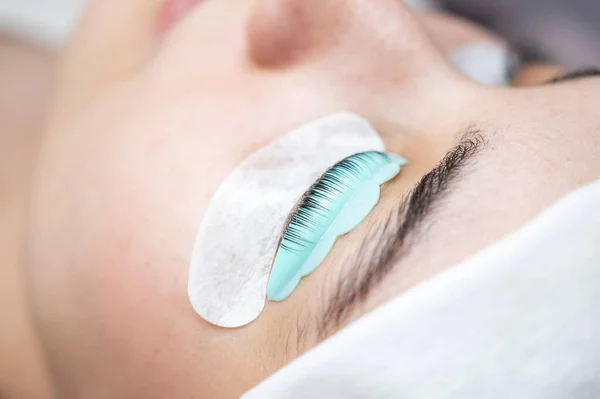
[
  {"x": 240, "y": 231},
  {"x": 47, "y": 22},
  {"x": 518, "y": 320}
]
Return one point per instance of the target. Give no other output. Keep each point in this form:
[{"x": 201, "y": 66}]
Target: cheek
[
  {"x": 112, "y": 233},
  {"x": 121, "y": 325},
  {"x": 118, "y": 206},
  {"x": 117, "y": 210},
  {"x": 113, "y": 306}
]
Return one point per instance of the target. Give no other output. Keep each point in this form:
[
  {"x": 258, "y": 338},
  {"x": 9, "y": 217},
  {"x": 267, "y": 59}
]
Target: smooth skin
[
  {"x": 152, "y": 113},
  {"x": 26, "y": 86}
]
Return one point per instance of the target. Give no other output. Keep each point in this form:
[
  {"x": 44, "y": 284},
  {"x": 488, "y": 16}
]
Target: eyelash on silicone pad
[{"x": 315, "y": 204}]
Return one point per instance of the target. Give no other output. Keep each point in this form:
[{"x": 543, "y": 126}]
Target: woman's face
[{"x": 159, "y": 102}]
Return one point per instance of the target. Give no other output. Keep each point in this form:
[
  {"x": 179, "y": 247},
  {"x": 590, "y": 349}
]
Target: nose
[
  {"x": 374, "y": 56},
  {"x": 378, "y": 34}
]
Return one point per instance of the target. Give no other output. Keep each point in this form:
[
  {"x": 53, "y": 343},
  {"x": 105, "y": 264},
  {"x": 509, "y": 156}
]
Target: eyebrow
[{"x": 392, "y": 236}]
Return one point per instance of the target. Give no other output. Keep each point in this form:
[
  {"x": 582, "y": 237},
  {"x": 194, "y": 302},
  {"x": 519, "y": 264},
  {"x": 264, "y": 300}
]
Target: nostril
[{"x": 283, "y": 32}]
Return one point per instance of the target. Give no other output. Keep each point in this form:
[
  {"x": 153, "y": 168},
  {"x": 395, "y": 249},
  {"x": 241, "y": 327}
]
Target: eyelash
[
  {"x": 315, "y": 204},
  {"x": 575, "y": 75}
]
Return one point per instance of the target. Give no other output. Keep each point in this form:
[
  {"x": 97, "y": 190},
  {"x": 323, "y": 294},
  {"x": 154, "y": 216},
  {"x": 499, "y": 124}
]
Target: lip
[{"x": 174, "y": 11}]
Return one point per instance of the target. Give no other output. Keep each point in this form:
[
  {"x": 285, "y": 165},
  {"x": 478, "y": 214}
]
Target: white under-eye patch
[{"x": 240, "y": 232}]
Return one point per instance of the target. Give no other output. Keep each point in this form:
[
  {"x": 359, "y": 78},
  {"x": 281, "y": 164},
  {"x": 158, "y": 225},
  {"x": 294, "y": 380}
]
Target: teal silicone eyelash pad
[
  {"x": 240, "y": 231},
  {"x": 334, "y": 206}
]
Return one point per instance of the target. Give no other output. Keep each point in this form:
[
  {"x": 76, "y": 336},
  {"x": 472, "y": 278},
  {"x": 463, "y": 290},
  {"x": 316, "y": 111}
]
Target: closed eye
[{"x": 576, "y": 75}]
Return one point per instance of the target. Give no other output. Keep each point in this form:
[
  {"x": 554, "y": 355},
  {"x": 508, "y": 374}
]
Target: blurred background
[
  {"x": 561, "y": 31},
  {"x": 32, "y": 33}
]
